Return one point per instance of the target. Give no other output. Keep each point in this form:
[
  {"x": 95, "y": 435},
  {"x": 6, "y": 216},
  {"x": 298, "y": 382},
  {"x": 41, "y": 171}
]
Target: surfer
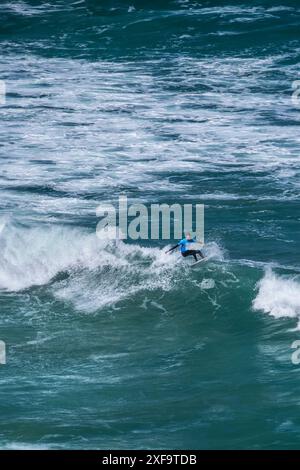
[{"x": 186, "y": 248}]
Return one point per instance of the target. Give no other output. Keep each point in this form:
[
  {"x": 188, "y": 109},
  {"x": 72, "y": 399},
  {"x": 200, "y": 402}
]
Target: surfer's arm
[{"x": 173, "y": 248}]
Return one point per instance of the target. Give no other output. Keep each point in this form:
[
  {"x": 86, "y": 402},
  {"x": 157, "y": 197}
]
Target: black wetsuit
[{"x": 193, "y": 253}]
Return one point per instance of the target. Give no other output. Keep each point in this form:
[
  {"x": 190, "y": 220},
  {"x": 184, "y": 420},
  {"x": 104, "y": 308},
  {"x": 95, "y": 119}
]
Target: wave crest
[{"x": 278, "y": 296}]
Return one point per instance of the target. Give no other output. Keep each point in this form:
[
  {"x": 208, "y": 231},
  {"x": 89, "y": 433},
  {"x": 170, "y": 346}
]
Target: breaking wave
[{"x": 80, "y": 267}]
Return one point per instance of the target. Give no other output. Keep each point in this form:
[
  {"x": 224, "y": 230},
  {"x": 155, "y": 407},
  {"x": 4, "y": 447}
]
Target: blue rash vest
[{"x": 184, "y": 244}]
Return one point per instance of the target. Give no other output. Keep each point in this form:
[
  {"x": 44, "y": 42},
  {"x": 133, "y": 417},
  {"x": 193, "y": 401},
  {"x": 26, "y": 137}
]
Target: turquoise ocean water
[{"x": 164, "y": 101}]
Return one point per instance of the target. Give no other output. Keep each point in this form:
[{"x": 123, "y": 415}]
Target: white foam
[
  {"x": 86, "y": 269},
  {"x": 214, "y": 251},
  {"x": 139, "y": 133},
  {"x": 2, "y": 225},
  {"x": 25, "y": 446},
  {"x": 278, "y": 296},
  {"x": 207, "y": 284}
]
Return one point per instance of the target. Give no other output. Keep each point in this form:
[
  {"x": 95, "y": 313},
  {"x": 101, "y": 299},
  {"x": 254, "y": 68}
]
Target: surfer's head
[{"x": 188, "y": 236}]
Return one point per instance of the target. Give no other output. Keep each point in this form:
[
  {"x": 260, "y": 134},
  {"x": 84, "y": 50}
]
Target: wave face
[{"x": 163, "y": 101}]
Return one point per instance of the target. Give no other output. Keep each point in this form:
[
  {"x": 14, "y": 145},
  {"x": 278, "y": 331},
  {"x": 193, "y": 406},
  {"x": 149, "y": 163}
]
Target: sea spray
[{"x": 278, "y": 296}]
